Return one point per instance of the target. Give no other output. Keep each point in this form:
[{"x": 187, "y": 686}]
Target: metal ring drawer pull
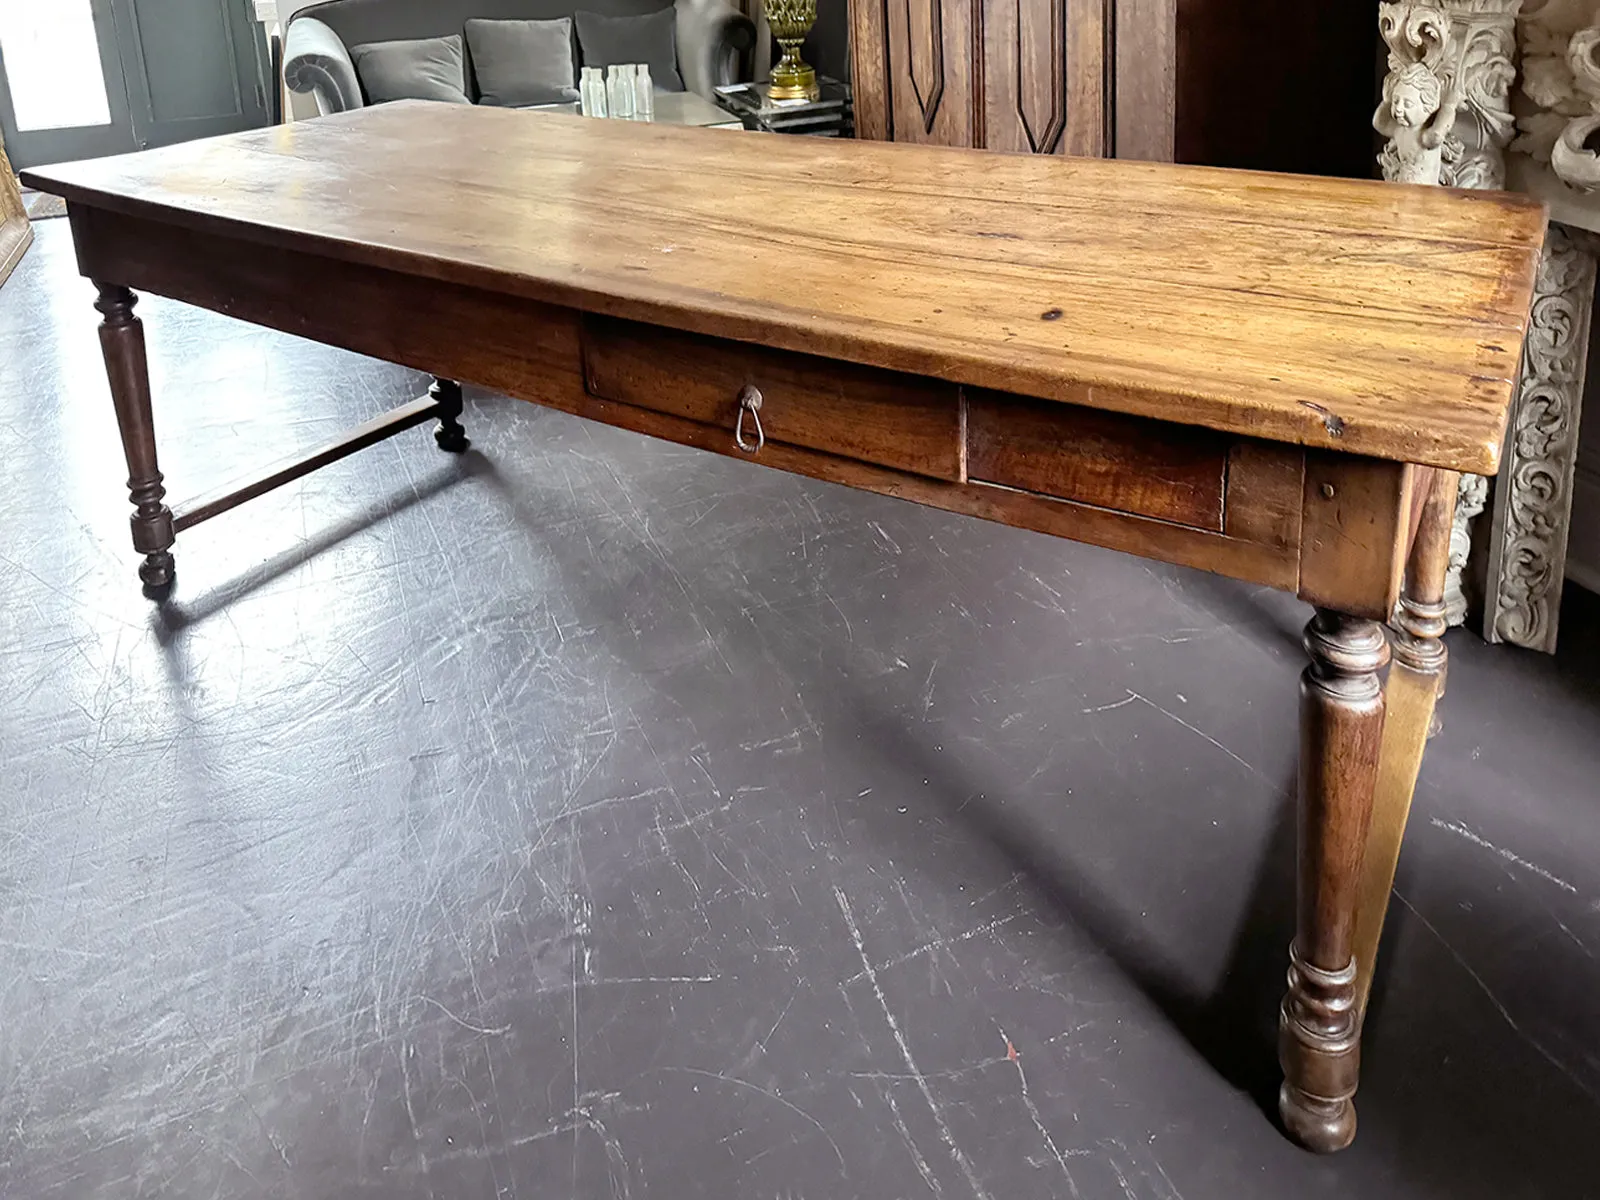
[{"x": 749, "y": 402}]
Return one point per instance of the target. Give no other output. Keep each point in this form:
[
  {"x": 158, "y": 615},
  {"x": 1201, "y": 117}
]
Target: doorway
[{"x": 88, "y": 78}]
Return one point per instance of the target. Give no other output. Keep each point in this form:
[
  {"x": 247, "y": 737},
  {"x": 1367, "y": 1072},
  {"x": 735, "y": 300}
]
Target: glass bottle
[
  {"x": 619, "y": 91},
  {"x": 644, "y": 94},
  {"x": 592, "y": 93}
]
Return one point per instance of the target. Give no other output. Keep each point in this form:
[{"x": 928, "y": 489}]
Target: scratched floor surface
[{"x": 588, "y": 817}]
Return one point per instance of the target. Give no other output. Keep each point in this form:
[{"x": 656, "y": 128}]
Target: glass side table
[{"x": 829, "y": 116}]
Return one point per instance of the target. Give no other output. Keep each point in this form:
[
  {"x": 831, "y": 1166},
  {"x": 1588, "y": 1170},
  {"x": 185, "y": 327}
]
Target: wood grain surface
[
  {"x": 1145, "y": 84},
  {"x": 1126, "y": 463},
  {"x": 1370, "y": 318}
]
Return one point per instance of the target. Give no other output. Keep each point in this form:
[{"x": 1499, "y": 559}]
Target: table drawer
[
  {"x": 1152, "y": 468},
  {"x": 901, "y": 421}
]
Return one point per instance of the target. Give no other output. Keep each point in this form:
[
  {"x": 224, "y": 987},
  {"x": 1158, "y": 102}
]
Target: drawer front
[
  {"x": 901, "y": 421},
  {"x": 1173, "y": 473}
]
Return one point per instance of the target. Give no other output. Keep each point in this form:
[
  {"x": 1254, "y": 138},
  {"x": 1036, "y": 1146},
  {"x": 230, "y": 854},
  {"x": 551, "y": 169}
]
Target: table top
[
  {"x": 671, "y": 108},
  {"x": 1374, "y": 318}
]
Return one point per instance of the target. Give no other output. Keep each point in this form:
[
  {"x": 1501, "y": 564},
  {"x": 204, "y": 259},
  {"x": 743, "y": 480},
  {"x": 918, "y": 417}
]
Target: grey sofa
[{"x": 713, "y": 39}]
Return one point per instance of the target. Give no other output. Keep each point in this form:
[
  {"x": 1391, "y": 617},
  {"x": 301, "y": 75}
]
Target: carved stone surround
[
  {"x": 1449, "y": 114},
  {"x": 1533, "y": 498}
]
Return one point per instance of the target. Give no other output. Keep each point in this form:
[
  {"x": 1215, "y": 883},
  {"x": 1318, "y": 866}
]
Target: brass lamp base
[{"x": 794, "y": 80}]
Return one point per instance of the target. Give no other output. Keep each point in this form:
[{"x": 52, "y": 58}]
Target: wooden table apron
[{"x": 1341, "y": 530}]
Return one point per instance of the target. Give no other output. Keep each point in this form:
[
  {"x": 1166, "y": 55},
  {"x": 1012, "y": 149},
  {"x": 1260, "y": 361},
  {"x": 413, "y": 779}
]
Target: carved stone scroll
[
  {"x": 1561, "y": 78},
  {"x": 1472, "y": 499},
  {"x": 1533, "y": 497},
  {"x": 1554, "y": 158}
]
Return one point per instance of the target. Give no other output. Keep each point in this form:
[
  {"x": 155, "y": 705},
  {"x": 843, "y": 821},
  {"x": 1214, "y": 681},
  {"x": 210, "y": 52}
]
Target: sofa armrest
[
  {"x": 316, "y": 61},
  {"x": 713, "y": 40}
]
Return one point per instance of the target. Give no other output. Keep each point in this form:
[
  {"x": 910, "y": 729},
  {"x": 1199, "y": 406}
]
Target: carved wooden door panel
[
  {"x": 931, "y": 77},
  {"x": 1200, "y": 81},
  {"x": 1044, "y": 79},
  {"x": 1021, "y": 75}
]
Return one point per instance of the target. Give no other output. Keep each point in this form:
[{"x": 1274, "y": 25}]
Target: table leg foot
[
  {"x": 1319, "y": 1025},
  {"x": 1321, "y": 1126},
  {"x": 1319, "y": 1048},
  {"x": 127, "y": 370},
  {"x": 449, "y": 434},
  {"x": 158, "y": 572}
]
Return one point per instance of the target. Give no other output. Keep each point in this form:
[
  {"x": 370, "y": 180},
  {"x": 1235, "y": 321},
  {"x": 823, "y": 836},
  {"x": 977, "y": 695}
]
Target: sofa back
[{"x": 358, "y": 22}]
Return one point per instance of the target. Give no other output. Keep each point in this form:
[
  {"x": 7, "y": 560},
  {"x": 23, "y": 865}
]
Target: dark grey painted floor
[{"x": 589, "y": 817}]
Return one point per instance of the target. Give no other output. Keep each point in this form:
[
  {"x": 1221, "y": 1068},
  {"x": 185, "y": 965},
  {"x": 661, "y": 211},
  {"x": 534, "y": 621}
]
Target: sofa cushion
[
  {"x": 650, "y": 39},
  {"x": 425, "y": 69},
  {"x": 522, "y": 62}
]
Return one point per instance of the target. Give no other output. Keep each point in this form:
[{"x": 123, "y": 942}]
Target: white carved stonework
[
  {"x": 1471, "y": 500},
  {"x": 1452, "y": 131},
  {"x": 1413, "y": 114},
  {"x": 1446, "y": 106},
  {"x": 1558, "y": 117},
  {"x": 1533, "y": 499},
  {"x": 1561, "y": 80}
]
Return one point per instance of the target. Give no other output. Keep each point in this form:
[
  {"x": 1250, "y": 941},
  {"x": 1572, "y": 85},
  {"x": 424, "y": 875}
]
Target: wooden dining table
[{"x": 1274, "y": 378}]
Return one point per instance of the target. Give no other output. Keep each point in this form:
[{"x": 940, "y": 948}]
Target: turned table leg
[
  {"x": 1319, "y": 1025},
  {"x": 122, "y": 343},
  {"x": 449, "y": 433},
  {"x": 1416, "y": 681}
]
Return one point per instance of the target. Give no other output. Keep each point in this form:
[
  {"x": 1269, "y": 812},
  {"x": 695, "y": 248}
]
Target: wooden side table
[{"x": 16, "y": 235}]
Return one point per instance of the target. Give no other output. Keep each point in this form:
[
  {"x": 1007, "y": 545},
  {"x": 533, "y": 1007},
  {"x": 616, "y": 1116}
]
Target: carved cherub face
[{"x": 1414, "y": 96}]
